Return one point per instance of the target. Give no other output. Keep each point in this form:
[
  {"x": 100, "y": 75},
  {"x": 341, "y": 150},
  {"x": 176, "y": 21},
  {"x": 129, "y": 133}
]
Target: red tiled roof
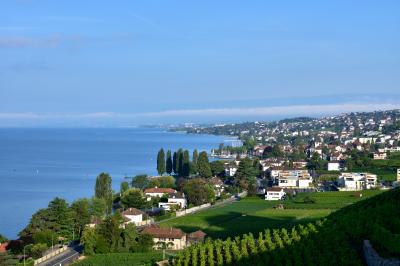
[
  {"x": 132, "y": 211},
  {"x": 159, "y": 232},
  {"x": 275, "y": 189},
  {"x": 160, "y": 190},
  {"x": 197, "y": 235},
  {"x": 3, "y": 247}
]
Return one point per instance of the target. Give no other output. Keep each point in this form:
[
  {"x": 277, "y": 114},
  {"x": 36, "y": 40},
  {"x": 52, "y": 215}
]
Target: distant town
[{"x": 270, "y": 195}]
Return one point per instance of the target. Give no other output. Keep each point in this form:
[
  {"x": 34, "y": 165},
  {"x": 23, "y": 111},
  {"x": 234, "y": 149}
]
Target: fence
[
  {"x": 50, "y": 255},
  {"x": 192, "y": 210}
]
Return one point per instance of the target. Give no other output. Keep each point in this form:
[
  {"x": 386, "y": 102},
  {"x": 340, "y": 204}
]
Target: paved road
[{"x": 65, "y": 258}]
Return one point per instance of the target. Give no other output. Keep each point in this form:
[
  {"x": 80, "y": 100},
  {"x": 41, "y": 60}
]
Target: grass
[
  {"x": 328, "y": 200},
  {"x": 121, "y": 259},
  {"x": 248, "y": 215}
]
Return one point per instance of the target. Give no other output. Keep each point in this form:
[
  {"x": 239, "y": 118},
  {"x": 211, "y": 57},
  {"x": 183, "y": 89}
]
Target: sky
[{"x": 126, "y": 63}]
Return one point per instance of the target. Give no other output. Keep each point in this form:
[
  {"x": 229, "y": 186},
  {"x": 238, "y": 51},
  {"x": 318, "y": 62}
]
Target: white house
[
  {"x": 294, "y": 179},
  {"x": 274, "y": 193},
  {"x": 333, "y": 166},
  {"x": 357, "y": 181},
  {"x": 175, "y": 199},
  {"x": 133, "y": 215},
  {"x": 173, "y": 238},
  {"x": 398, "y": 174},
  {"x": 157, "y": 192},
  {"x": 380, "y": 156}
]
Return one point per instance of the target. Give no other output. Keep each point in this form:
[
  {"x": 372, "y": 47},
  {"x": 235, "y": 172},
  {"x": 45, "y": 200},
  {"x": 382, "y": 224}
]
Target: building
[
  {"x": 274, "y": 193},
  {"x": 333, "y": 166},
  {"x": 380, "y": 156},
  {"x": 157, "y": 192},
  {"x": 299, "y": 164},
  {"x": 3, "y": 247},
  {"x": 218, "y": 185},
  {"x": 174, "y": 199},
  {"x": 357, "y": 181},
  {"x": 294, "y": 179},
  {"x": 133, "y": 215},
  {"x": 195, "y": 237},
  {"x": 398, "y": 174},
  {"x": 173, "y": 238}
]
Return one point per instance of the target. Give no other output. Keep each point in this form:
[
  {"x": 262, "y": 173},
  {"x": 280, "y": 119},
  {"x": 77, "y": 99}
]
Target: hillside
[{"x": 336, "y": 240}]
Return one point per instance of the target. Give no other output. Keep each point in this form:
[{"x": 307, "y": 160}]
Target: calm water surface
[{"x": 37, "y": 165}]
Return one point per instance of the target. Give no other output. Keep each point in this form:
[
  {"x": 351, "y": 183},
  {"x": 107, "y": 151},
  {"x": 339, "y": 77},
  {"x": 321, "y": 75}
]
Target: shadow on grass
[{"x": 235, "y": 223}]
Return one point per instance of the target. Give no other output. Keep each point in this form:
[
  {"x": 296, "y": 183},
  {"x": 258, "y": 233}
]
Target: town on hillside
[{"x": 302, "y": 169}]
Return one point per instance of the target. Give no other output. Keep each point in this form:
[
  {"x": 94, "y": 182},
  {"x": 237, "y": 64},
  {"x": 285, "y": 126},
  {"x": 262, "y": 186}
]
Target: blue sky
[{"x": 134, "y": 62}]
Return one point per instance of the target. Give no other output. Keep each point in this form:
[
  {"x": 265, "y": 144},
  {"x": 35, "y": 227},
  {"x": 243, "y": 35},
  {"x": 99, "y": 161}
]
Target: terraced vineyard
[{"x": 336, "y": 240}]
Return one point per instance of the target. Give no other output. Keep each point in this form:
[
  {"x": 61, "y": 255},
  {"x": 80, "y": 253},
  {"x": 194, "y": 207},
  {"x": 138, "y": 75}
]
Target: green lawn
[
  {"x": 329, "y": 200},
  {"x": 248, "y": 215},
  {"x": 121, "y": 259}
]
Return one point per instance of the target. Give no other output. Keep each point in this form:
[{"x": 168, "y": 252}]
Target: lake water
[{"x": 37, "y": 165}]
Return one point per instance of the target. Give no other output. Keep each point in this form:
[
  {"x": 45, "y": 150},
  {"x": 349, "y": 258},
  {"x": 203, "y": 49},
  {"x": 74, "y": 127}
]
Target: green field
[
  {"x": 121, "y": 259},
  {"x": 248, "y": 215},
  {"x": 329, "y": 200}
]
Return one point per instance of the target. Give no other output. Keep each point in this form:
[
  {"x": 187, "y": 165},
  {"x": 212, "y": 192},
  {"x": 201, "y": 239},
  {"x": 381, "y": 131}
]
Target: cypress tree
[
  {"x": 103, "y": 190},
  {"x": 195, "y": 157},
  {"x": 168, "y": 163},
  {"x": 161, "y": 162},
  {"x": 203, "y": 165},
  {"x": 175, "y": 163},
  {"x": 180, "y": 162},
  {"x": 185, "y": 164}
]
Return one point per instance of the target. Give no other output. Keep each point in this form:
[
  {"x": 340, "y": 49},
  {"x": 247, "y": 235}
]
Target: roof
[
  {"x": 159, "y": 232},
  {"x": 274, "y": 189},
  {"x": 197, "y": 235},
  {"x": 3, "y": 247},
  {"x": 159, "y": 190},
  {"x": 132, "y": 211}
]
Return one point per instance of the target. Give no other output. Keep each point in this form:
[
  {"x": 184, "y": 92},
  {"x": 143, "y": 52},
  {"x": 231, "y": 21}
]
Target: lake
[{"x": 37, "y": 165}]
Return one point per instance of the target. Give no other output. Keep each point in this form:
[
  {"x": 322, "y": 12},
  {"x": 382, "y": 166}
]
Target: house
[
  {"x": 380, "y": 156},
  {"x": 357, "y": 181},
  {"x": 230, "y": 169},
  {"x": 333, "y": 166},
  {"x": 157, "y": 192},
  {"x": 299, "y": 164},
  {"x": 218, "y": 185},
  {"x": 196, "y": 237},
  {"x": 294, "y": 179},
  {"x": 132, "y": 215},
  {"x": 173, "y": 238},
  {"x": 94, "y": 221},
  {"x": 174, "y": 199},
  {"x": 3, "y": 247},
  {"x": 398, "y": 174},
  {"x": 274, "y": 193}
]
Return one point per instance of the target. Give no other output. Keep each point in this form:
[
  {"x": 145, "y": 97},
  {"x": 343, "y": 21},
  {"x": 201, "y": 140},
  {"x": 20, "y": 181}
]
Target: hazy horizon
[{"x": 96, "y": 64}]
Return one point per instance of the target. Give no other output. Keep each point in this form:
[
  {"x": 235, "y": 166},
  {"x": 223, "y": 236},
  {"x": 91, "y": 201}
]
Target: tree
[
  {"x": 195, "y": 157},
  {"x": 130, "y": 236},
  {"x": 60, "y": 218},
  {"x": 124, "y": 187},
  {"x": 110, "y": 230},
  {"x": 80, "y": 211},
  {"x": 103, "y": 190},
  {"x": 245, "y": 176},
  {"x": 98, "y": 207},
  {"x": 3, "y": 239},
  {"x": 180, "y": 162},
  {"x": 162, "y": 182},
  {"x": 203, "y": 165},
  {"x": 185, "y": 164},
  {"x": 175, "y": 163},
  {"x": 133, "y": 198},
  {"x": 198, "y": 191},
  {"x": 37, "y": 250},
  {"x": 89, "y": 240},
  {"x": 161, "y": 162},
  {"x": 218, "y": 168},
  {"x": 140, "y": 181},
  {"x": 168, "y": 163}
]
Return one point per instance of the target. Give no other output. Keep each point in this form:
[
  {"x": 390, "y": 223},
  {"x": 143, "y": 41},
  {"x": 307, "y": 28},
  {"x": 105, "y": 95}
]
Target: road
[{"x": 65, "y": 258}]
